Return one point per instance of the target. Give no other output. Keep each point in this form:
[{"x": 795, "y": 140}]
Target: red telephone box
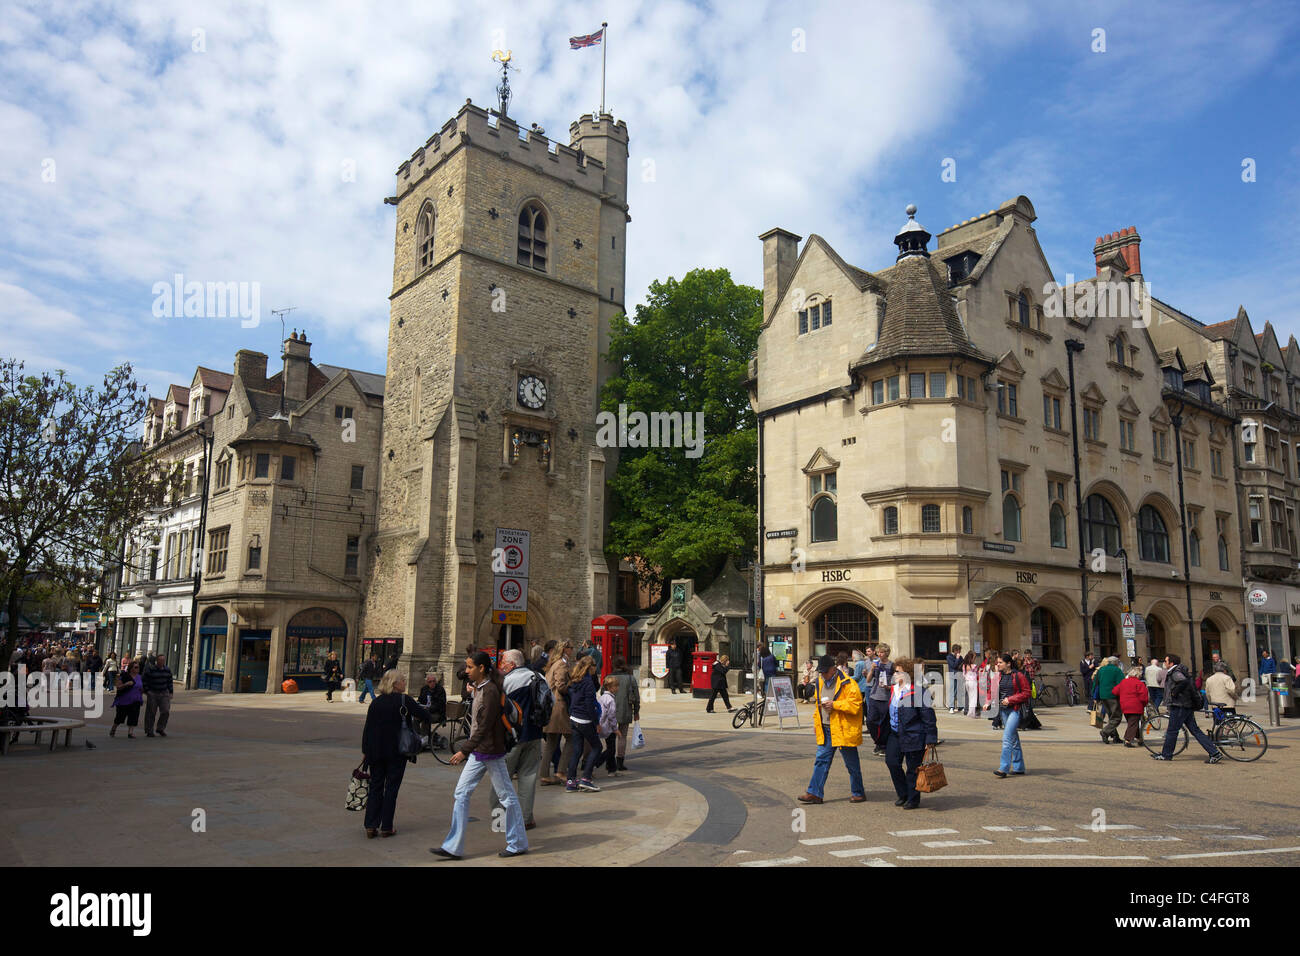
[{"x": 609, "y": 633}]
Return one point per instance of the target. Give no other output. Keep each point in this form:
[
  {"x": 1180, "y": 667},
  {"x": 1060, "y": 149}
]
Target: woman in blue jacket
[
  {"x": 912, "y": 729},
  {"x": 584, "y": 712}
]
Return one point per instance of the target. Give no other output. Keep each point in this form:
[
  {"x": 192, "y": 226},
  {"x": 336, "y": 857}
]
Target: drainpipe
[
  {"x": 1071, "y": 347},
  {"x": 208, "y": 434}
]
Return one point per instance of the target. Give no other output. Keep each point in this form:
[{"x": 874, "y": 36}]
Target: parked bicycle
[
  {"x": 447, "y": 738},
  {"x": 752, "y": 712}
]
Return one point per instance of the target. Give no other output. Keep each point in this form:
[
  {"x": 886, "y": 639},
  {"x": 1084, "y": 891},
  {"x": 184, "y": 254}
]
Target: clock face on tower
[{"x": 532, "y": 392}]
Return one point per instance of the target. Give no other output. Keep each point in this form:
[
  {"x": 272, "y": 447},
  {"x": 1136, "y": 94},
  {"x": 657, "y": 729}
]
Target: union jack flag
[{"x": 591, "y": 39}]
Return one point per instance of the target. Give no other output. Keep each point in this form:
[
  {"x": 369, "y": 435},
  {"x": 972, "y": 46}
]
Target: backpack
[
  {"x": 512, "y": 717},
  {"x": 539, "y": 715}
]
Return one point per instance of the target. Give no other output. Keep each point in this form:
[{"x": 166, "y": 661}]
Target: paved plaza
[{"x": 265, "y": 776}]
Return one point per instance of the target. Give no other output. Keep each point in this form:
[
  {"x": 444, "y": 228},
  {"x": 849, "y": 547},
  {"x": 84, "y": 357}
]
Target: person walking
[
  {"x": 1267, "y": 666},
  {"x": 970, "y": 672},
  {"x": 126, "y": 705},
  {"x": 484, "y": 753},
  {"x": 1086, "y": 668},
  {"x": 91, "y": 666},
  {"x": 333, "y": 675},
  {"x": 525, "y": 759},
  {"x": 158, "y": 688},
  {"x": 767, "y": 666},
  {"x": 956, "y": 685},
  {"x": 584, "y": 713},
  {"x": 389, "y": 709},
  {"x": 111, "y": 667},
  {"x": 1221, "y": 689},
  {"x": 597, "y": 656},
  {"x": 912, "y": 728},
  {"x": 1154, "y": 676},
  {"x": 1132, "y": 695},
  {"x": 839, "y": 728},
  {"x": 370, "y": 672},
  {"x": 1013, "y": 691},
  {"x": 1184, "y": 701},
  {"x": 607, "y": 728},
  {"x": 1106, "y": 679},
  {"x": 879, "y": 682},
  {"x": 628, "y": 700},
  {"x": 558, "y": 728},
  {"x": 718, "y": 681},
  {"x": 674, "y": 657}
]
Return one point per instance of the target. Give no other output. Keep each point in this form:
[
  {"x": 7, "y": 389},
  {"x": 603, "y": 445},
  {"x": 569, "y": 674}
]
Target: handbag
[
  {"x": 358, "y": 788},
  {"x": 930, "y": 776},
  {"x": 1094, "y": 717},
  {"x": 409, "y": 743}
]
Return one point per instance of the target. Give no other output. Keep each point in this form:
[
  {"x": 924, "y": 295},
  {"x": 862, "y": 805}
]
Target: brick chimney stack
[
  {"x": 250, "y": 368},
  {"x": 297, "y": 362},
  {"x": 1128, "y": 243},
  {"x": 780, "y": 253}
]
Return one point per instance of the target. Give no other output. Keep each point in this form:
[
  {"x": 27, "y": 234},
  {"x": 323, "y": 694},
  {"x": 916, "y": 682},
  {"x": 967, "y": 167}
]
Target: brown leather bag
[{"x": 930, "y": 776}]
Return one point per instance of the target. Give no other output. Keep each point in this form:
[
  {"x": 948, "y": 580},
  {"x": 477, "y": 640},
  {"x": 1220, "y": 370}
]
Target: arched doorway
[
  {"x": 1105, "y": 634},
  {"x": 212, "y": 648},
  {"x": 991, "y": 631},
  {"x": 845, "y": 627},
  {"x": 682, "y": 636}
]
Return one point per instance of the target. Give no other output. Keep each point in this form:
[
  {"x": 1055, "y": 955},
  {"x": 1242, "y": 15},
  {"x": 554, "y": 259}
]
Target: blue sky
[{"x": 140, "y": 140}]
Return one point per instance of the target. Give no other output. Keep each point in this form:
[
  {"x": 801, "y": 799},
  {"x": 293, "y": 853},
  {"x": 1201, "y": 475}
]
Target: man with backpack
[
  {"x": 529, "y": 690},
  {"x": 370, "y": 672},
  {"x": 1184, "y": 701}
]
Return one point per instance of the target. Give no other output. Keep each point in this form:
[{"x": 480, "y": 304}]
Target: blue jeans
[
  {"x": 822, "y": 767},
  {"x": 474, "y": 770},
  {"x": 1012, "y": 757},
  {"x": 1178, "y": 716},
  {"x": 369, "y": 688},
  {"x": 1155, "y": 695}
]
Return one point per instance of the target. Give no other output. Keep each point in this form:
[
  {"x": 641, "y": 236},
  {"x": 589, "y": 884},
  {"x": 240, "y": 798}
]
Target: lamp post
[
  {"x": 1177, "y": 419},
  {"x": 1073, "y": 346},
  {"x": 206, "y": 433}
]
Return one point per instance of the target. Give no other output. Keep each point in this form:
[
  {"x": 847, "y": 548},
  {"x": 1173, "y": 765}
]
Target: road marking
[
  {"x": 1235, "y": 836},
  {"x": 1202, "y": 826},
  {"x": 878, "y": 862},
  {"x": 939, "y": 832},
  {"x": 1023, "y": 856},
  {"x": 1150, "y": 839},
  {"x": 1198, "y": 856},
  {"x": 1051, "y": 839},
  {"x": 946, "y": 844},
  {"x": 1029, "y": 829},
  {"x": 788, "y": 861},
  {"x": 1102, "y": 828},
  {"x": 823, "y": 841},
  {"x": 864, "y": 851}
]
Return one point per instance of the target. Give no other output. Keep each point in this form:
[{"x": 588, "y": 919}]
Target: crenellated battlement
[{"x": 474, "y": 124}]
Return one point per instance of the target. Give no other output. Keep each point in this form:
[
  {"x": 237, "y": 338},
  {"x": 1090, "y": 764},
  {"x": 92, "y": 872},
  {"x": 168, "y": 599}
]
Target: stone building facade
[
  {"x": 291, "y": 509},
  {"x": 916, "y": 442},
  {"x": 508, "y": 267}
]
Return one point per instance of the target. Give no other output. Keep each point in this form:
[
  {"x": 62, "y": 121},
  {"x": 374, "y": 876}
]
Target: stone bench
[{"x": 39, "y": 725}]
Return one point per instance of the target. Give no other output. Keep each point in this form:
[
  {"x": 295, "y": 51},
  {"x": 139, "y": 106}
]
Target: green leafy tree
[
  {"x": 71, "y": 479},
  {"x": 688, "y": 351}
]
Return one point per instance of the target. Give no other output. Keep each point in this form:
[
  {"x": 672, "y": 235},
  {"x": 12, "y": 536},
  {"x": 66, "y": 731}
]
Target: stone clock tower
[{"x": 508, "y": 266}]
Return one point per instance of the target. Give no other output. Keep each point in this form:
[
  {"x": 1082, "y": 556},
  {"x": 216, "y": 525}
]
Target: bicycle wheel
[
  {"x": 741, "y": 715},
  {"x": 1240, "y": 738},
  {"x": 1153, "y": 735},
  {"x": 1048, "y": 696}
]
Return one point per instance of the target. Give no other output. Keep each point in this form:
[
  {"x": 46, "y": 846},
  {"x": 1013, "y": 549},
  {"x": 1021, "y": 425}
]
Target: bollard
[{"x": 1274, "y": 708}]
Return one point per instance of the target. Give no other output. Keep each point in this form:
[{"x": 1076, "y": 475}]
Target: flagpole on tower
[{"x": 604, "y": 47}]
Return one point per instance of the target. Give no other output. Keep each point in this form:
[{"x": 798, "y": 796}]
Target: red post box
[
  {"x": 609, "y": 633},
  {"x": 702, "y": 672}
]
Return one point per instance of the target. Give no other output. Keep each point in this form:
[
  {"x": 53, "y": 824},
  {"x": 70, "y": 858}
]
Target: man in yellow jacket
[{"x": 839, "y": 727}]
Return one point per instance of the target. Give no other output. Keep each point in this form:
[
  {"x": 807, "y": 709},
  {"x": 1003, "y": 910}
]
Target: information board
[
  {"x": 783, "y": 691},
  {"x": 659, "y": 660}
]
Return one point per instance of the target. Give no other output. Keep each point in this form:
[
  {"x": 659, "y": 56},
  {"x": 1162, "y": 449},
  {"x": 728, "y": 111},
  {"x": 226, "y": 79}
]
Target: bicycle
[
  {"x": 752, "y": 712},
  {"x": 1071, "y": 690},
  {"x": 452, "y": 732},
  {"x": 1152, "y": 734},
  {"x": 1045, "y": 694},
  {"x": 1238, "y": 737}
]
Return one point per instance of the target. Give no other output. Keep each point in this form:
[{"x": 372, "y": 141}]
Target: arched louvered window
[
  {"x": 532, "y": 237},
  {"x": 424, "y": 237}
]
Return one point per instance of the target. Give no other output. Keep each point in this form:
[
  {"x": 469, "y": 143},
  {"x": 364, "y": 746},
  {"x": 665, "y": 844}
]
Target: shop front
[
  {"x": 212, "y": 649},
  {"x": 254, "y": 661},
  {"x": 309, "y": 638}
]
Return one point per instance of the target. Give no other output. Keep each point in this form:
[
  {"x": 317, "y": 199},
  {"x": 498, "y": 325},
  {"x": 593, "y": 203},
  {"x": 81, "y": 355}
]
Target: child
[{"x": 607, "y": 727}]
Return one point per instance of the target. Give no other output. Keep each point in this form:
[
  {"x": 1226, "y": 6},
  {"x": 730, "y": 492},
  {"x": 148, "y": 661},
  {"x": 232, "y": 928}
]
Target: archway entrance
[
  {"x": 684, "y": 638},
  {"x": 845, "y": 627}
]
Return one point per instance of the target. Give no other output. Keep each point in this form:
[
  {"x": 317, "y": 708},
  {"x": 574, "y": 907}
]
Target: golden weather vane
[{"x": 503, "y": 91}]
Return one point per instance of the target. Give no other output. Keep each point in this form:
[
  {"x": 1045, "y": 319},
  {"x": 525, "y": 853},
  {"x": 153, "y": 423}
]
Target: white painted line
[
  {"x": 1024, "y": 829},
  {"x": 823, "y": 841},
  {"x": 1023, "y": 856},
  {"x": 1202, "y": 826},
  {"x": 788, "y": 861},
  {"x": 939, "y": 832},
  {"x": 864, "y": 851},
  {"x": 1109, "y": 826},
  {"x": 946, "y": 844},
  {"x": 1198, "y": 856},
  {"x": 1051, "y": 839},
  {"x": 878, "y": 862},
  {"x": 1236, "y": 836},
  {"x": 1150, "y": 839}
]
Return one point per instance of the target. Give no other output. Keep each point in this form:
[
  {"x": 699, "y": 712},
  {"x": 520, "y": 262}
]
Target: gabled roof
[
  {"x": 920, "y": 318},
  {"x": 1055, "y": 380},
  {"x": 371, "y": 383},
  {"x": 212, "y": 379},
  {"x": 156, "y": 406},
  {"x": 820, "y": 460},
  {"x": 178, "y": 394},
  {"x": 861, "y": 278}
]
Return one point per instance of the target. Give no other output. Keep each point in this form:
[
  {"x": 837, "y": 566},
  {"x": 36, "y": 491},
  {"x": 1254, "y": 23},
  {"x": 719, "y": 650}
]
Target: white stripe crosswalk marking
[
  {"x": 788, "y": 861},
  {"x": 1147, "y": 838},
  {"x": 946, "y": 844},
  {"x": 939, "y": 832},
  {"x": 1036, "y": 828},
  {"x": 1202, "y": 826},
  {"x": 1056, "y": 839},
  {"x": 1025, "y": 856},
  {"x": 1236, "y": 836},
  {"x": 864, "y": 851},
  {"x": 1197, "y": 856},
  {"x": 1109, "y": 826},
  {"x": 824, "y": 841},
  {"x": 877, "y": 862}
]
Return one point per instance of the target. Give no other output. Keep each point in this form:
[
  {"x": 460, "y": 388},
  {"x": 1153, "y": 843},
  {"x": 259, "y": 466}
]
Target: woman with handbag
[
  {"x": 130, "y": 695},
  {"x": 387, "y": 748},
  {"x": 556, "y": 744},
  {"x": 913, "y": 729},
  {"x": 333, "y": 675},
  {"x": 1013, "y": 691}
]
